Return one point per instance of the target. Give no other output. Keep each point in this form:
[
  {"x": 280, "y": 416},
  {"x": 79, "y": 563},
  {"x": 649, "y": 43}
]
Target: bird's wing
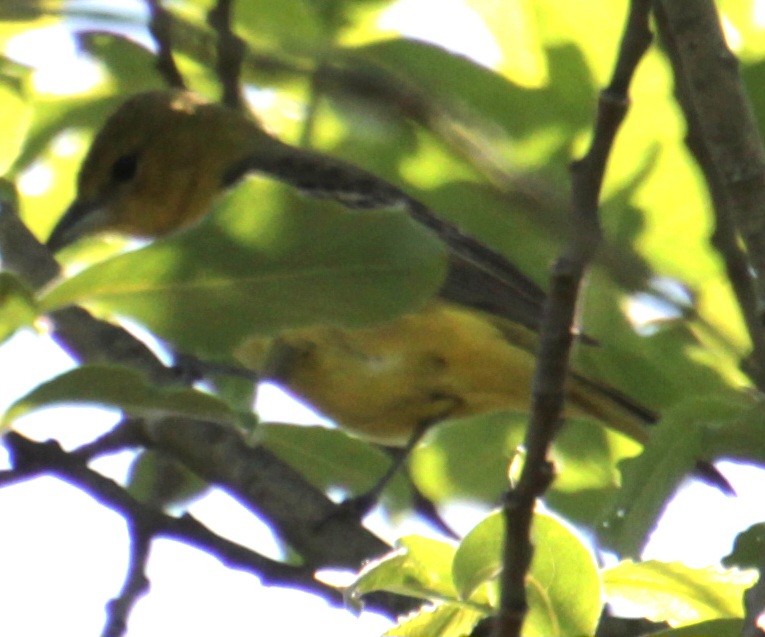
[{"x": 478, "y": 276}]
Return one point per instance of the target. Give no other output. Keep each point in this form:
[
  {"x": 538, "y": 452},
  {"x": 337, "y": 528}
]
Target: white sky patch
[
  {"x": 67, "y": 143},
  {"x": 59, "y": 68},
  {"x": 261, "y": 99},
  {"x": 273, "y": 404},
  {"x": 41, "y": 47},
  {"x": 732, "y": 35},
  {"x": 646, "y": 310},
  {"x": 451, "y": 24},
  {"x": 715, "y": 518},
  {"x": 36, "y": 179},
  {"x": 758, "y": 13}
]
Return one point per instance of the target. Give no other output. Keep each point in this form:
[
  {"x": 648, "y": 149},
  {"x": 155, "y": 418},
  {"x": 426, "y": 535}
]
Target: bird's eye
[{"x": 125, "y": 167}]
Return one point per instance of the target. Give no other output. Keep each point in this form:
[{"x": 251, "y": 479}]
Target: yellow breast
[{"x": 386, "y": 381}]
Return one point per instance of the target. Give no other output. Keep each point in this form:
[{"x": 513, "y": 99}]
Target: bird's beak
[{"x": 80, "y": 219}]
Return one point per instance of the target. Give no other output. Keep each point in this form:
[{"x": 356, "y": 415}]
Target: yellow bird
[{"x": 159, "y": 162}]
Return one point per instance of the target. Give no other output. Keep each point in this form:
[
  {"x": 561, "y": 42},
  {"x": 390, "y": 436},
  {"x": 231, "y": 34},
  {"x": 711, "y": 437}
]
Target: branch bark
[
  {"x": 724, "y": 138},
  {"x": 708, "y": 72},
  {"x": 557, "y": 323}
]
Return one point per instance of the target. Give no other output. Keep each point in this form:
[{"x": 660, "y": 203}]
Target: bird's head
[{"x": 155, "y": 166}]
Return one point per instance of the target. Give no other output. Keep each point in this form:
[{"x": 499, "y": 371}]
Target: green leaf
[
  {"x": 131, "y": 65},
  {"x": 290, "y": 24},
  {"x": 712, "y": 628},
  {"x": 17, "y": 305},
  {"x": 161, "y": 481},
  {"x": 237, "y": 392},
  {"x": 564, "y": 586},
  {"x": 264, "y": 261},
  {"x": 699, "y": 428},
  {"x": 747, "y": 549},
  {"x": 331, "y": 458},
  {"x": 121, "y": 388},
  {"x": 467, "y": 459},
  {"x": 586, "y": 455},
  {"x": 479, "y": 557},
  {"x": 419, "y": 567},
  {"x": 445, "y": 620},
  {"x": 657, "y": 369},
  {"x": 676, "y": 593},
  {"x": 16, "y": 111},
  {"x": 740, "y": 14},
  {"x": 455, "y": 81}
]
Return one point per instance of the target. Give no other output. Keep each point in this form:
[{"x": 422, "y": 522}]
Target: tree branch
[
  {"x": 136, "y": 582},
  {"x": 725, "y": 237},
  {"x": 31, "y": 459},
  {"x": 160, "y": 27},
  {"x": 708, "y": 71},
  {"x": 301, "y": 514},
  {"x": 754, "y": 602},
  {"x": 723, "y": 136},
  {"x": 230, "y": 54},
  {"x": 557, "y": 323}
]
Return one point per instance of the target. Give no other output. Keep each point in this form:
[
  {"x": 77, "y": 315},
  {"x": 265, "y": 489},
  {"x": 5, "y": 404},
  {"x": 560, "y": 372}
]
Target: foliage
[{"x": 487, "y": 146}]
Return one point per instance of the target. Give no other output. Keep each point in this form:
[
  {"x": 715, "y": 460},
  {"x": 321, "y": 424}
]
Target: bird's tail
[{"x": 610, "y": 406}]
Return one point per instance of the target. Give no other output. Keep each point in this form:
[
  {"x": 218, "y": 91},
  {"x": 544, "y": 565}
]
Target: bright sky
[{"x": 64, "y": 556}]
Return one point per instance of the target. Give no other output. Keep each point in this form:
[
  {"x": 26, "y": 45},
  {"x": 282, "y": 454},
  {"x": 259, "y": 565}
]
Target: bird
[{"x": 160, "y": 161}]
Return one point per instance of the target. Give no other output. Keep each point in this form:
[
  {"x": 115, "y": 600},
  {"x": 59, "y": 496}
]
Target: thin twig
[
  {"x": 136, "y": 582},
  {"x": 126, "y": 434},
  {"x": 311, "y": 112},
  {"x": 195, "y": 368},
  {"x": 230, "y": 54},
  {"x": 160, "y": 25},
  {"x": 557, "y": 323},
  {"x": 31, "y": 459}
]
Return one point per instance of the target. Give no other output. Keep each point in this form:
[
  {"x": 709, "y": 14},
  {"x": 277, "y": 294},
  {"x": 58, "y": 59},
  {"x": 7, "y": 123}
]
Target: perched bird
[{"x": 159, "y": 162}]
